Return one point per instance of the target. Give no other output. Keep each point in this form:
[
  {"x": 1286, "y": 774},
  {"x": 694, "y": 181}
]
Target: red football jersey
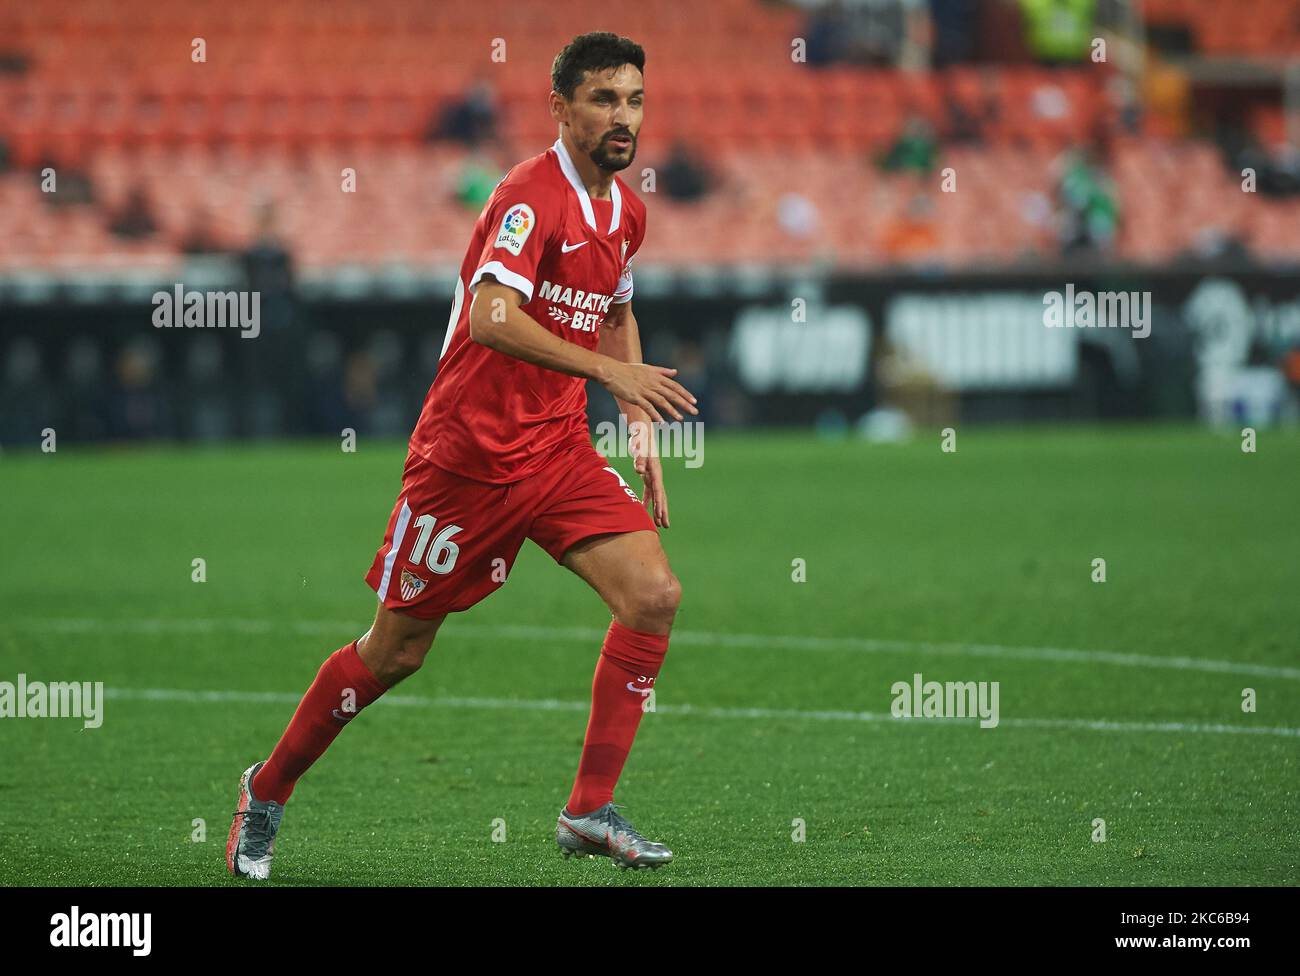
[{"x": 491, "y": 417}]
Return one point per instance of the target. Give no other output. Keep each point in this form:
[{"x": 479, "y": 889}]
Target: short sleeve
[{"x": 518, "y": 222}]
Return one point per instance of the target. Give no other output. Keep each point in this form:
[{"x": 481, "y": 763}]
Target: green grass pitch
[{"x": 774, "y": 703}]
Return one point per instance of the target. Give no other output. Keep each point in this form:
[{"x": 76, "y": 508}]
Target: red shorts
[{"x": 452, "y": 541}]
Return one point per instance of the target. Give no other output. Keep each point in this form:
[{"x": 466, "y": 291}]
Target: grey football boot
[
  {"x": 252, "y": 834},
  {"x": 605, "y": 833}
]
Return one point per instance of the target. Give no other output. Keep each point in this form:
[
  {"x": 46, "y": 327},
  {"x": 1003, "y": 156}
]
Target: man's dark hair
[{"x": 592, "y": 52}]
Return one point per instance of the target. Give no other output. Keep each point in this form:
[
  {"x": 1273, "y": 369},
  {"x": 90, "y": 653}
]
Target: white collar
[{"x": 584, "y": 199}]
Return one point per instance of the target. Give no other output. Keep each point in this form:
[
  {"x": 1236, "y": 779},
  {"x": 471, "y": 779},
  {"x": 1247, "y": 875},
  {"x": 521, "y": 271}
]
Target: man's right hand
[{"x": 651, "y": 388}]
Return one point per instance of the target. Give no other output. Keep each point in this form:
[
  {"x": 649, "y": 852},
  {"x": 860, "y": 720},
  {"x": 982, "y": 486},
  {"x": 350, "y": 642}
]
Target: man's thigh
[
  {"x": 620, "y": 567},
  {"x": 593, "y": 524},
  {"x": 450, "y": 542},
  {"x": 584, "y": 498}
]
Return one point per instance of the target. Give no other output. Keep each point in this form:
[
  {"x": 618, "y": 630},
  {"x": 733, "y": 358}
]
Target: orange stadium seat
[{"x": 291, "y": 92}]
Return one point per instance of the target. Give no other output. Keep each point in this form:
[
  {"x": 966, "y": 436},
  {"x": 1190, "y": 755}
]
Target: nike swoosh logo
[
  {"x": 566, "y": 247},
  {"x": 344, "y": 718}
]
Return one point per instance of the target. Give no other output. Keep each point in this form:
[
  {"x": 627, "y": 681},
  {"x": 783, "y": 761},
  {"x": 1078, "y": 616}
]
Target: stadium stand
[{"x": 290, "y": 95}]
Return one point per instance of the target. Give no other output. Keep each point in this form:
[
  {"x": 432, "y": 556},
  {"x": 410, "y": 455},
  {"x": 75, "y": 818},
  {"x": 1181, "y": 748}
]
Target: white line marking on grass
[
  {"x": 692, "y": 638},
  {"x": 702, "y": 711}
]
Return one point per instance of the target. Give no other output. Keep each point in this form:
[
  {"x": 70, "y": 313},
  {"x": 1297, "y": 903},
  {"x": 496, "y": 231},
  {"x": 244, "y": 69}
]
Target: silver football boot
[
  {"x": 252, "y": 834},
  {"x": 605, "y": 833}
]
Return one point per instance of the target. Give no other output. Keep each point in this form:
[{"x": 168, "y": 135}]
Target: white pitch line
[
  {"x": 555, "y": 705},
  {"x": 692, "y": 638}
]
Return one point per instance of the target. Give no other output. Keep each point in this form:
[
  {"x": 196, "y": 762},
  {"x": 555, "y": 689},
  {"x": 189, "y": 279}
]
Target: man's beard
[{"x": 602, "y": 157}]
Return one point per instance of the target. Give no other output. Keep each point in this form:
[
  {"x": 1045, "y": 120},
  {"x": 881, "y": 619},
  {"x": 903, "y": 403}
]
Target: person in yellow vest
[{"x": 1058, "y": 30}]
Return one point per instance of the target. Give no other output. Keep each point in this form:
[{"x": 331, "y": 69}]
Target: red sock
[
  {"x": 616, "y": 709},
  {"x": 343, "y": 686}
]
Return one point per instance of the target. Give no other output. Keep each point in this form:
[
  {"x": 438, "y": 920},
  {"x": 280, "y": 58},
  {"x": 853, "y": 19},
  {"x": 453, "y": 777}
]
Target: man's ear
[{"x": 558, "y": 106}]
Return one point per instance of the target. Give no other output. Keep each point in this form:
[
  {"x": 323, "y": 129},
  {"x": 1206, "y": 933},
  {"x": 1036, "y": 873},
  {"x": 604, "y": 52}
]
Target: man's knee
[{"x": 653, "y": 603}]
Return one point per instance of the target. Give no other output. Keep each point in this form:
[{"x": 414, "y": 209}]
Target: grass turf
[{"x": 944, "y": 564}]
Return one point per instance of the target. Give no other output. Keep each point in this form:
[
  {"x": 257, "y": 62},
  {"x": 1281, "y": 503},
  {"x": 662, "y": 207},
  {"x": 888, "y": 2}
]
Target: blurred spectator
[
  {"x": 954, "y": 33},
  {"x": 683, "y": 176},
  {"x": 963, "y": 125},
  {"x": 1215, "y": 245},
  {"x": 1089, "y": 207},
  {"x": 206, "y": 393},
  {"x": 268, "y": 267},
  {"x": 914, "y": 149},
  {"x": 388, "y": 359},
  {"x": 1049, "y": 102},
  {"x": 135, "y": 218},
  {"x": 827, "y": 33},
  {"x": 27, "y": 399},
  {"x": 326, "y": 411},
  {"x": 360, "y": 383},
  {"x": 1058, "y": 31},
  {"x": 136, "y": 404},
  {"x": 1035, "y": 209},
  {"x": 14, "y": 62},
  {"x": 1000, "y": 33},
  {"x": 472, "y": 119},
  {"x": 911, "y": 236},
  {"x": 477, "y": 178},
  {"x": 1290, "y": 369},
  {"x": 1124, "y": 99},
  {"x": 694, "y": 372},
  {"x": 271, "y": 362},
  {"x": 1167, "y": 93},
  {"x": 797, "y": 215},
  {"x": 1275, "y": 174},
  {"x": 971, "y": 122},
  {"x": 85, "y": 390},
  {"x": 72, "y": 185},
  {"x": 874, "y": 32}
]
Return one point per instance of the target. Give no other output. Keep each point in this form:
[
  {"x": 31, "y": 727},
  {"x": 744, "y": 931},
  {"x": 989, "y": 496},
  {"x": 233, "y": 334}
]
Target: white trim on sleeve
[
  {"x": 507, "y": 277},
  {"x": 623, "y": 293}
]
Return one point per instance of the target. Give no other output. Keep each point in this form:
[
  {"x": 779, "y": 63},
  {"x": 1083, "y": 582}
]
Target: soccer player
[{"x": 502, "y": 452}]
